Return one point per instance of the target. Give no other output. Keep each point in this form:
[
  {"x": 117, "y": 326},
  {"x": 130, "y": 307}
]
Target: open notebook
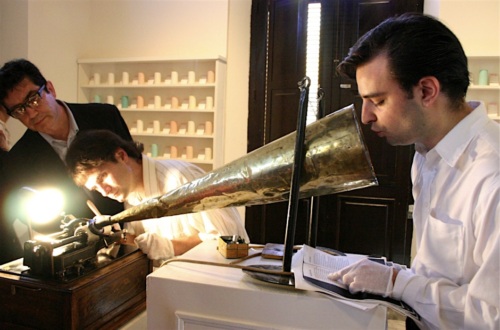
[{"x": 311, "y": 267}]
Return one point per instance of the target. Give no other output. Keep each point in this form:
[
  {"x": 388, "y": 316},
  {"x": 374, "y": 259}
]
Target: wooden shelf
[
  {"x": 150, "y": 86},
  {"x": 489, "y": 94}
]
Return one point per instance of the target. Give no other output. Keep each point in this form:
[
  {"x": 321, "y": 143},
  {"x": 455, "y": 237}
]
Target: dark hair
[
  {"x": 417, "y": 46},
  {"x": 91, "y": 148},
  {"x": 14, "y": 71}
]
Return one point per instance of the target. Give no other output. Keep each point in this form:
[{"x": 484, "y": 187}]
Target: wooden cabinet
[
  {"x": 487, "y": 87},
  {"x": 174, "y": 107},
  {"x": 104, "y": 299}
]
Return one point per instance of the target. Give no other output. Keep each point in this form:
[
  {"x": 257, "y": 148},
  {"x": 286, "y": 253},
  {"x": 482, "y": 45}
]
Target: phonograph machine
[
  {"x": 75, "y": 278},
  {"x": 61, "y": 270}
]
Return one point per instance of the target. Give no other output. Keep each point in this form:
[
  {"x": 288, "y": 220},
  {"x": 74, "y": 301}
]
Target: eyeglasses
[{"x": 32, "y": 102}]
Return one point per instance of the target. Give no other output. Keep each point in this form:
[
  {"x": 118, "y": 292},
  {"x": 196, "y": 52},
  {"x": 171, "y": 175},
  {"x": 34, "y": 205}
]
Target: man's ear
[
  {"x": 49, "y": 86},
  {"x": 121, "y": 155},
  {"x": 429, "y": 88}
]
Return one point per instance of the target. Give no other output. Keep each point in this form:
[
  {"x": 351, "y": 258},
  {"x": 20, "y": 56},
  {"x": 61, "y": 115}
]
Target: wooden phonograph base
[{"x": 105, "y": 298}]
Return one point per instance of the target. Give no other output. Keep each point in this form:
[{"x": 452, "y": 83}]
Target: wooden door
[{"x": 372, "y": 220}]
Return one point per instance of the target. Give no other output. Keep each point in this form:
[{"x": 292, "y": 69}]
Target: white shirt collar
[
  {"x": 453, "y": 144},
  {"x": 60, "y": 146},
  {"x": 456, "y": 140}
]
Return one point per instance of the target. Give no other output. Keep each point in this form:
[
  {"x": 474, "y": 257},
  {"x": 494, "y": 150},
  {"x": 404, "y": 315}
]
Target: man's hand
[
  {"x": 155, "y": 246},
  {"x": 366, "y": 276}
]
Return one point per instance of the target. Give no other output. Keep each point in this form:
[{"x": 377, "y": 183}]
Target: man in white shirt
[
  {"x": 101, "y": 160},
  {"x": 412, "y": 75}
]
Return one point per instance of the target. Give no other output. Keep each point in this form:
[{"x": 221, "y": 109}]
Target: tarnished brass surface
[{"x": 336, "y": 160}]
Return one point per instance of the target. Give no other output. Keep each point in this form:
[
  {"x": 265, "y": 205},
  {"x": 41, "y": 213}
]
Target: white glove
[
  {"x": 366, "y": 276},
  {"x": 156, "y": 247}
]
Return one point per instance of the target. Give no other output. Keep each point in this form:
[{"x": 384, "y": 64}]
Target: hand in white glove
[
  {"x": 366, "y": 276},
  {"x": 156, "y": 247}
]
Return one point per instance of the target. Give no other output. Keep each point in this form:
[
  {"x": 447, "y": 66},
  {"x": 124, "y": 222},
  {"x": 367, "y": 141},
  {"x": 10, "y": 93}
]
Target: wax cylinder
[
  {"x": 97, "y": 98},
  {"x": 140, "y": 101},
  {"x": 110, "y": 99},
  {"x": 111, "y": 78},
  {"x": 173, "y": 152},
  {"x": 157, "y": 78},
  {"x": 124, "y": 101},
  {"x": 191, "y": 77},
  {"x": 173, "y": 127},
  {"x": 97, "y": 78},
  {"x": 210, "y": 77},
  {"x": 209, "y": 103},
  {"x": 156, "y": 126},
  {"x": 174, "y": 102},
  {"x": 174, "y": 77},
  {"x": 140, "y": 126},
  {"x": 191, "y": 127},
  {"x": 125, "y": 78},
  {"x": 208, "y": 128},
  {"x": 483, "y": 78},
  {"x": 154, "y": 150},
  {"x": 157, "y": 102},
  {"x": 192, "y": 102},
  {"x": 141, "y": 78}
]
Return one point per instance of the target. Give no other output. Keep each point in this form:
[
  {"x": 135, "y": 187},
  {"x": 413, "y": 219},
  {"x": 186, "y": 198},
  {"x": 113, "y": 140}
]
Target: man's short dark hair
[
  {"x": 14, "y": 71},
  {"x": 417, "y": 46},
  {"x": 91, "y": 148}
]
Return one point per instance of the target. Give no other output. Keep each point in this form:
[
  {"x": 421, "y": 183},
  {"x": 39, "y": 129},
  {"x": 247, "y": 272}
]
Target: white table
[{"x": 193, "y": 296}]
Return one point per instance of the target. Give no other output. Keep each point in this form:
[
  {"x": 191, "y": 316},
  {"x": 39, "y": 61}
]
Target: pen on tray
[
  {"x": 94, "y": 209},
  {"x": 92, "y": 206}
]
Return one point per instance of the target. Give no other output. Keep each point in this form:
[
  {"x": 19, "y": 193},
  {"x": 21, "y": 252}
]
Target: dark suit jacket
[{"x": 32, "y": 162}]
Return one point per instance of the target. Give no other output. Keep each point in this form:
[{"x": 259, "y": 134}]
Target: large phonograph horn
[{"x": 336, "y": 160}]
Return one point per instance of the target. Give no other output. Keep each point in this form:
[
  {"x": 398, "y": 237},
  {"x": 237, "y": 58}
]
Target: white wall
[
  {"x": 54, "y": 34},
  {"x": 475, "y": 22},
  {"x": 13, "y": 42}
]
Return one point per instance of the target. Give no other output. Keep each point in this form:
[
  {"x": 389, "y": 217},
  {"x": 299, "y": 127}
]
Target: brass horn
[{"x": 336, "y": 160}]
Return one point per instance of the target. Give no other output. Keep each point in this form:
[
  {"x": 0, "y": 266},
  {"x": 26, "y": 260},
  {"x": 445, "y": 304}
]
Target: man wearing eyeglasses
[{"x": 36, "y": 160}]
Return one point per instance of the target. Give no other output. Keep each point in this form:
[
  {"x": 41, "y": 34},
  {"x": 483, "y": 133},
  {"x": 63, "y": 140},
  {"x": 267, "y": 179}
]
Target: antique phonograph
[
  {"x": 73, "y": 278},
  {"x": 67, "y": 254}
]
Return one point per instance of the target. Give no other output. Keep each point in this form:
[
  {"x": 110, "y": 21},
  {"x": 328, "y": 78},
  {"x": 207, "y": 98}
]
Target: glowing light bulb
[{"x": 44, "y": 205}]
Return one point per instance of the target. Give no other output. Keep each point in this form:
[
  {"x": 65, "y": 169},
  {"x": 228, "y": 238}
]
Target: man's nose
[
  {"x": 32, "y": 112},
  {"x": 103, "y": 189},
  {"x": 367, "y": 114}
]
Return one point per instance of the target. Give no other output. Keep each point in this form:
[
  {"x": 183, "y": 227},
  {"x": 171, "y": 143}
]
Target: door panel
[{"x": 369, "y": 221}]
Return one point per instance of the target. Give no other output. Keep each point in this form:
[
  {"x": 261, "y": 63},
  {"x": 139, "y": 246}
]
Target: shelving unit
[
  {"x": 489, "y": 93},
  {"x": 174, "y": 107}
]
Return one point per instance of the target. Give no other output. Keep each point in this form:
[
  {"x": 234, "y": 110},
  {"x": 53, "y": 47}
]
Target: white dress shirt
[
  {"x": 162, "y": 176},
  {"x": 60, "y": 146},
  {"x": 454, "y": 281}
]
